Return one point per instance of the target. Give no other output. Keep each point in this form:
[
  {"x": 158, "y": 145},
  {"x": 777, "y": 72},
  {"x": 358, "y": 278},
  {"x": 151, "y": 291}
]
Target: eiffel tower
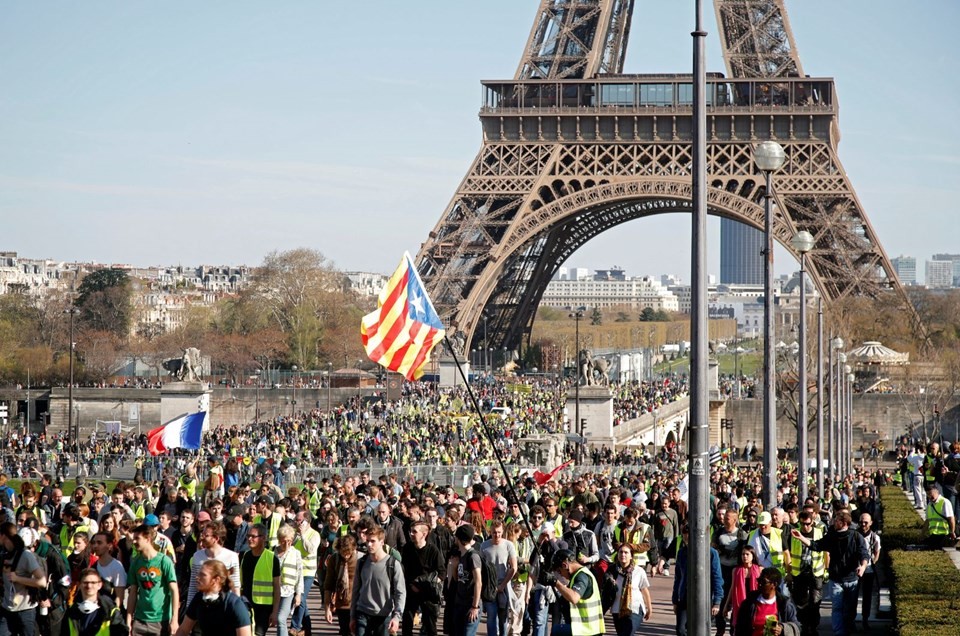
[{"x": 572, "y": 147}]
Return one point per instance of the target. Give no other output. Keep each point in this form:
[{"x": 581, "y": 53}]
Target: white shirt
[
  {"x": 113, "y": 573},
  {"x": 638, "y": 581},
  {"x": 230, "y": 560}
]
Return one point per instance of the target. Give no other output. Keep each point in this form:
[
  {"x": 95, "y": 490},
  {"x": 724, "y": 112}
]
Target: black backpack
[{"x": 488, "y": 579}]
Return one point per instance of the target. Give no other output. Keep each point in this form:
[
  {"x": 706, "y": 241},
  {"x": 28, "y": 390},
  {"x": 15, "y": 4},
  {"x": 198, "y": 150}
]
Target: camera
[{"x": 547, "y": 579}]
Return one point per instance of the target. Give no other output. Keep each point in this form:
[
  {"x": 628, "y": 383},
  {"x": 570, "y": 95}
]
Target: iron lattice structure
[{"x": 572, "y": 148}]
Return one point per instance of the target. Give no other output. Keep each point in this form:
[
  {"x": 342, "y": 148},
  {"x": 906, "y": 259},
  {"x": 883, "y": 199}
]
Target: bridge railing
[{"x": 636, "y": 427}]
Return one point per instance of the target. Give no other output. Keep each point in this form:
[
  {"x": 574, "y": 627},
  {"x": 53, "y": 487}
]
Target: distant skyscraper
[
  {"x": 939, "y": 274},
  {"x": 906, "y": 267},
  {"x": 955, "y": 259},
  {"x": 741, "y": 258}
]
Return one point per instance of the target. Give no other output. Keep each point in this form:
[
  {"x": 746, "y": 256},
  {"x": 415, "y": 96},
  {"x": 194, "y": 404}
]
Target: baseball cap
[
  {"x": 151, "y": 520},
  {"x": 29, "y": 536},
  {"x": 203, "y": 516},
  {"x": 764, "y": 519},
  {"x": 560, "y": 557},
  {"x": 465, "y": 533}
]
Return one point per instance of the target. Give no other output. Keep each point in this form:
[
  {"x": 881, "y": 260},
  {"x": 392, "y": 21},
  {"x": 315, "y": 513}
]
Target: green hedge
[
  {"x": 902, "y": 526},
  {"x": 926, "y": 585}
]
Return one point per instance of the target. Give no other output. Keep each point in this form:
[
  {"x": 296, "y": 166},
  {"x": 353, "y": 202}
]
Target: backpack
[{"x": 488, "y": 578}]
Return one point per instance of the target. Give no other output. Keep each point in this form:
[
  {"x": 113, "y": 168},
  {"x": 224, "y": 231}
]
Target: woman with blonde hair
[{"x": 291, "y": 577}]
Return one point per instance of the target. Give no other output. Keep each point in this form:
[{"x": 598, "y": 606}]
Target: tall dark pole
[
  {"x": 819, "y": 397},
  {"x": 831, "y": 413},
  {"x": 698, "y": 554},
  {"x": 841, "y": 416},
  {"x": 769, "y": 157},
  {"x": 803, "y": 243},
  {"x": 70, "y": 424},
  {"x": 577, "y": 424}
]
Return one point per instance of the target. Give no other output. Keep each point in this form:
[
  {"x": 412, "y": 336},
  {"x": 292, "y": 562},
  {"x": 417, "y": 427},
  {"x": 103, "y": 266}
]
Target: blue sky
[{"x": 217, "y": 131}]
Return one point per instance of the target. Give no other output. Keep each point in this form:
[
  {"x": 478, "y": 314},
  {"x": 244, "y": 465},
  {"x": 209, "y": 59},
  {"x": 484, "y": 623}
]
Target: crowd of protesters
[
  {"x": 424, "y": 427},
  {"x": 200, "y": 546}
]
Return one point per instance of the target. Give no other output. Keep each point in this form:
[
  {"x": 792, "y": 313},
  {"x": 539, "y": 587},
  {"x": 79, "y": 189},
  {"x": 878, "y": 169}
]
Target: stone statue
[
  {"x": 188, "y": 367},
  {"x": 593, "y": 371}
]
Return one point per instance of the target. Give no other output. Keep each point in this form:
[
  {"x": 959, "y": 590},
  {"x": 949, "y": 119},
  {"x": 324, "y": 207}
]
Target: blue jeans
[
  {"x": 843, "y": 597},
  {"x": 283, "y": 613},
  {"x": 496, "y": 619},
  {"x": 539, "y": 611},
  {"x": 301, "y": 610},
  {"x": 627, "y": 625},
  {"x": 460, "y": 625},
  {"x": 21, "y": 623},
  {"x": 372, "y": 625}
]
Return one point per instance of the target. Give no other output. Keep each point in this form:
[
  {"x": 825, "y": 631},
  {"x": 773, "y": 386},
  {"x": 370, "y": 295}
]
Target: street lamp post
[
  {"x": 359, "y": 385},
  {"x": 329, "y": 386},
  {"x": 803, "y": 242},
  {"x": 293, "y": 402},
  {"x": 833, "y": 441},
  {"x": 769, "y": 157},
  {"x": 819, "y": 396},
  {"x": 736, "y": 369},
  {"x": 848, "y": 424},
  {"x": 256, "y": 410},
  {"x": 578, "y": 425},
  {"x": 841, "y": 415},
  {"x": 70, "y": 421}
]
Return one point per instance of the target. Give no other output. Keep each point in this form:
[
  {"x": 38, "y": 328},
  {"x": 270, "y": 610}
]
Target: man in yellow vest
[
  {"x": 267, "y": 515},
  {"x": 308, "y": 544},
  {"x": 768, "y": 542},
  {"x": 941, "y": 524},
  {"x": 583, "y": 594},
  {"x": 806, "y": 574},
  {"x": 312, "y": 494},
  {"x": 260, "y": 580}
]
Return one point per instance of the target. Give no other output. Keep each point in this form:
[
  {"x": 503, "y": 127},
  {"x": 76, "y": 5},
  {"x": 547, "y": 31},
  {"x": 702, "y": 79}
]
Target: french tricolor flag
[{"x": 182, "y": 432}]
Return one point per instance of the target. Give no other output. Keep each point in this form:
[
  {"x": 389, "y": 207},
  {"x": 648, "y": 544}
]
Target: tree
[
  {"x": 307, "y": 299},
  {"x": 596, "y": 316},
  {"x": 103, "y": 299}
]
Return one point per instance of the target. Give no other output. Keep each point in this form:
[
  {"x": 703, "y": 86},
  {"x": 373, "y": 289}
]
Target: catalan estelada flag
[{"x": 403, "y": 330}]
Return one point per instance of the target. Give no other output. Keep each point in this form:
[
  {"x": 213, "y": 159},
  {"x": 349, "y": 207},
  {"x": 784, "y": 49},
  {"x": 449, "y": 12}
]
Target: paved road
[{"x": 662, "y": 623}]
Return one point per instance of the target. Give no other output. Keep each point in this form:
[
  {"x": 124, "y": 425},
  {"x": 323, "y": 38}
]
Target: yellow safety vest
[
  {"x": 928, "y": 476},
  {"x": 262, "y": 592},
  {"x": 66, "y": 537},
  {"x": 586, "y": 619},
  {"x": 776, "y": 547},
  {"x": 271, "y": 529},
  {"x": 936, "y": 520},
  {"x": 635, "y": 537},
  {"x": 104, "y": 628},
  {"x": 796, "y": 552},
  {"x": 288, "y": 573},
  {"x": 191, "y": 487},
  {"x": 139, "y": 510},
  {"x": 309, "y": 558},
  {"x": 313, "y": 501}
]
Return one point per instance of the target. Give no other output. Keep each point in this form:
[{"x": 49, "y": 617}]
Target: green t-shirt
[{"x": 152, "y": 578}]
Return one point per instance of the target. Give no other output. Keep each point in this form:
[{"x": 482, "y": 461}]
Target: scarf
[{"x": 626, "y": 594}]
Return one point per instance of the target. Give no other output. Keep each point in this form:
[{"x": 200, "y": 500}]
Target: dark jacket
[
  {"x": 786, "y": 613},
  {"x": 105, "y": 614},
  {"x": 847, "y": 549},
  {"x": 680, "y": 578}
]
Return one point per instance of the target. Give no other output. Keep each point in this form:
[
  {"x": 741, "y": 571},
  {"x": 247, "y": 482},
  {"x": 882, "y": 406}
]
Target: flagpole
[{"x": 489, "y": 434}]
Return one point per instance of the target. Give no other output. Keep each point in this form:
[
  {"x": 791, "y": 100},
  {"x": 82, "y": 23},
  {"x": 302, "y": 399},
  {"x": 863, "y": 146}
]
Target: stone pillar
[
  {"x": 181, "y": 398},
  {"x": 596, "y": 412}
]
